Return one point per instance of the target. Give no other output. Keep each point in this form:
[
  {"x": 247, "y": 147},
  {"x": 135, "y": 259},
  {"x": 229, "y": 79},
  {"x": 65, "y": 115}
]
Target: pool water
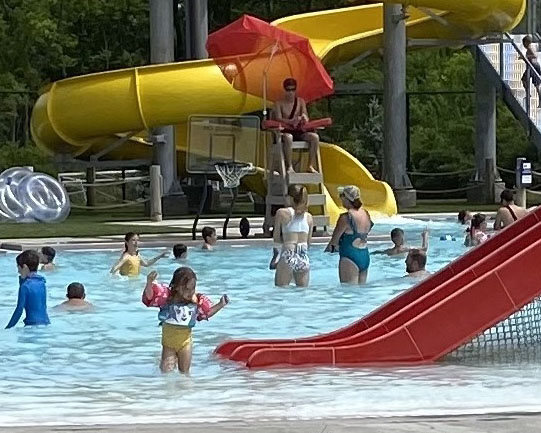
[{"x": 102, "y": 367}]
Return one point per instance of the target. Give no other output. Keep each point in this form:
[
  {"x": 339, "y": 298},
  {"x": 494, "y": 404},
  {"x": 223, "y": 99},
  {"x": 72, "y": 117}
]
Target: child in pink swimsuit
[{"x": 180, "y": 309}]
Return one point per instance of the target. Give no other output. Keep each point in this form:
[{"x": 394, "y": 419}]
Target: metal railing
[{"x": 530, "y": 69}]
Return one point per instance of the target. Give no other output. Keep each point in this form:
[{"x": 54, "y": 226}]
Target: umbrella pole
[
  {"x": 273, "y": 52},
  {"x": 265, "y": 95}
]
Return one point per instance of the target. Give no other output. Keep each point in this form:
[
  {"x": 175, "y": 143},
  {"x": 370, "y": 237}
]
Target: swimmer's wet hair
[
  {"x": 418, "y": 256},
  {"x": 477, "y": 220},
  {"x": 396, "y": 232},
  {"x": 299, "y": 194},
  {"x": 49, "y": 252},
  {"x": 207, "y": 231},
  {"x": 181, "y": 277},
  {"x": 179, "y": 250},
  {"x": 30, "y": 258},
  {"x": 128, "y": 238},
  {"x": 462, "y": 216},
  {"x": 75, "y": 291},
  {"x": 507, "y": 195}
]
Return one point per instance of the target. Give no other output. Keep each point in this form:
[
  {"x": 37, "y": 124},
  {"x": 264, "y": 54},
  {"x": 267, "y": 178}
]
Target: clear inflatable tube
[{"x": 26, "y": 196}]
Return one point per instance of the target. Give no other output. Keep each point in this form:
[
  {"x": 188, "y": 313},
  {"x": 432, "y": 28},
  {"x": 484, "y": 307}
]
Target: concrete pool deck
[
  {"x": 497, "y": 423},
  {"x": 168, "y": 239}
]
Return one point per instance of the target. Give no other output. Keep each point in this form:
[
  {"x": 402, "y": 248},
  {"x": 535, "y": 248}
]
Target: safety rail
[
  {"x": 529, "y": 69},
  {"x": 449, "y": 173},
  {"x": 510, "y": 62},
  {"x": 112, "y": 206},
  {"x": 104, "y": 186},
  {"x": 470, "y": 171}
]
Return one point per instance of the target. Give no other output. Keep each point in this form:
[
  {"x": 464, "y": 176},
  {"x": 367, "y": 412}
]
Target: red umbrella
[{"x": 256, "y": 58}]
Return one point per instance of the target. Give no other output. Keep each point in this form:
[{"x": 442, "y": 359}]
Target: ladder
[{"x": 278, "y": 182}]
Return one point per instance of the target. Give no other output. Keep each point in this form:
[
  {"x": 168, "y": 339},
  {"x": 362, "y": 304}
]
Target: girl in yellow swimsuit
[
  {"x": 130, "y": 261},
  {"x": 179, "y": 313}
]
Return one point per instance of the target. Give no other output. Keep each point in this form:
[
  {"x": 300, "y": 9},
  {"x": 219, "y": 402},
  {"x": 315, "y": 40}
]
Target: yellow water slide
[{"x": 82, "y": 115}]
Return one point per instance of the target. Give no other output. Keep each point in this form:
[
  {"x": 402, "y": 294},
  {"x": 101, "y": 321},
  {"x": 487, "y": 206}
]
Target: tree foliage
[{"x": 46, "y": 40}]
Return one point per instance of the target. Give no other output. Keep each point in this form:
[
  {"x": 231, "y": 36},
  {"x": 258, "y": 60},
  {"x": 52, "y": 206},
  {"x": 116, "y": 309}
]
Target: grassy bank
[{"x": 85, "y": 223}]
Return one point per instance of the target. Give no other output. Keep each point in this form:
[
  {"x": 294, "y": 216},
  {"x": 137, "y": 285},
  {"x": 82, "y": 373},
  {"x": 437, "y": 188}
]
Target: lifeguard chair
[{"x": 278, "y": 180}]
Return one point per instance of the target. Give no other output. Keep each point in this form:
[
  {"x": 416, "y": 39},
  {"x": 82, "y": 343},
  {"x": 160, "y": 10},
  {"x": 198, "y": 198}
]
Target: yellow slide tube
[{"x": 80, "y": 116}]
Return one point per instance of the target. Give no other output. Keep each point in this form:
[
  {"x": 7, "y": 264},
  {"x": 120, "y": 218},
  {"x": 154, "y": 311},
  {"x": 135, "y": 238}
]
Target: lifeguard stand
[{"x": 278, "y": 180}]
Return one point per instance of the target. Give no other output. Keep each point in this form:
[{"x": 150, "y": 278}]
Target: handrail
[
  {"x": 529, "y": 68},
  {"x": 522, "y": 56}
]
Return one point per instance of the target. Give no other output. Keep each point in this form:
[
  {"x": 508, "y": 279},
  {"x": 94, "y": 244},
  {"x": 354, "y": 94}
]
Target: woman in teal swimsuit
[{"x": 350, "y": 236}]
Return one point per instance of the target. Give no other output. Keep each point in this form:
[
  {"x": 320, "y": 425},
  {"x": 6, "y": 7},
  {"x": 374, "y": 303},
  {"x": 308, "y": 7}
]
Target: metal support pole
[
  {"x": 196, "y": 28},
  {"x": 124, "y": 185},
  {"x": 162, "y": 50},
  {"x": 156, "y": 193},
  {"x": 235, "y": 192},
  {"x": 490, "y": 181},
  {"x": 201, "y": 206},
  {"x": 485, "y": 125},
  {"x": 408, "y": 132},
  {"x": 520, "y": 196},
  {"x": 395, "y": 127},
  {"x": 90, "y": 190},
  {"x": 531, "y": 17}
]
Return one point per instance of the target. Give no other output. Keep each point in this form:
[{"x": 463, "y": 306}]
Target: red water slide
[{"x": 385, "y": 336}]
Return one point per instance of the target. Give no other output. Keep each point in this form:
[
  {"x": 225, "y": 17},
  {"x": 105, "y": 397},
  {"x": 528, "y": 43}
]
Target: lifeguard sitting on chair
[{"x": 291, "y": 116}]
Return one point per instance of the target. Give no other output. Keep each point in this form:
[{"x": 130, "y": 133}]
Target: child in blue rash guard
[{"x": 32, "y": 292}]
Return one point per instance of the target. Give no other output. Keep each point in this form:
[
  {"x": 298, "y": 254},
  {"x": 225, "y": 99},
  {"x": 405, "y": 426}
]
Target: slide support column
[
  {"x": 395, "y": 128},
  {"x": 162, "y": 50}
]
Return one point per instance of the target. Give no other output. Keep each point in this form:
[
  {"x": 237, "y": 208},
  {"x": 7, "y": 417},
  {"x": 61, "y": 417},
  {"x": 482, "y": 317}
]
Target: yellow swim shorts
[{"x": 176, "y": 337}]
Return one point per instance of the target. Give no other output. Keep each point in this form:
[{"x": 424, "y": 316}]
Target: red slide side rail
[
  {"x": 507, "y": 280},
  {"x": 388, "y": 309}
]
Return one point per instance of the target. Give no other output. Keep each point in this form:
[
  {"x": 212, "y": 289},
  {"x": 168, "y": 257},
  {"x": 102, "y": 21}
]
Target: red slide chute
[{"x": 472, "y": 294}]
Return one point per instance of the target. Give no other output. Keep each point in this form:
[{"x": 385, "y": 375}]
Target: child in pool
[
  {"x": 399, "y": 245},
  {"x": 76, "y": 301},
  {"x": 130, "y": 261},
  {"x": 209, "y": 238},
  {"x": 477, "y": 233},
  {"x": 46, "y": 257},
  {"x": 180, "y": 308},
  {"x": 180, "y": 252},
  {"x": 32, "y": 296}
]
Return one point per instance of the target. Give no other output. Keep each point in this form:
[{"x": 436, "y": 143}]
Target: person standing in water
[
  {"x": 350, "y": 237},
  {"x": 477, "y": 234},
  {"x": 509, "y": 212},
  {"x": 130, "y": 262},
  {"x": 32, "y": 297},
  {"x": 293, "y": 228},
  {"x": 76, "y": 301}
]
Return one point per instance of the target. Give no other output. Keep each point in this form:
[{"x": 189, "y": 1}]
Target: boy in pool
[
  {"x": 76, "y": 295},
  {"x": 46, "y": 257},
  {"x": 398, "y": 239},
  {"x": 180, "y": 251},
  {"x": 180, "y": 308},
  {"x": 209, "y": 238},
  {"x": 32, "y": 296}
]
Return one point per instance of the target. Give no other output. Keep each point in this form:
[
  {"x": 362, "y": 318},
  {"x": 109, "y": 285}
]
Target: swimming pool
[{"x": 103, "y": 367}]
